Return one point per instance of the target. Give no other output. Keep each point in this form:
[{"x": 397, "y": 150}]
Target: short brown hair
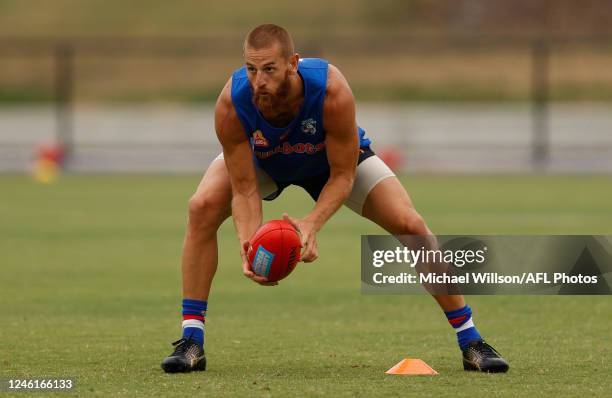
[{"x": 266, "y": 35}]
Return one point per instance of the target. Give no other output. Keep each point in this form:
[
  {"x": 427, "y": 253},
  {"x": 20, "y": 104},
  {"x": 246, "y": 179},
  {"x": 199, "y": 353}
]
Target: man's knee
[
  {"x": 207, "y": 211},
  {"x": 411, "y": 223}
]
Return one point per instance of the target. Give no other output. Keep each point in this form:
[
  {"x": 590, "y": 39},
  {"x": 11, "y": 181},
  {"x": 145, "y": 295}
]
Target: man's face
[{"x": 268, "y": 72}]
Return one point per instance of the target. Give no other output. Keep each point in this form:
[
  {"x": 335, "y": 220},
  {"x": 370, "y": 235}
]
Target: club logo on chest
[{"x": 309, "y": 126}]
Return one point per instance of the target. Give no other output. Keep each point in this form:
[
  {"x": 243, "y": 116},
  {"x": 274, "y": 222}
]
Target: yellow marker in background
[
  {"x": 48, "y": 165},
  {"x": 46, "y": 171}
]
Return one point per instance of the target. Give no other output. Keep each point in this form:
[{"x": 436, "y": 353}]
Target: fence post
[
  {"x": 540, "y": 54},
  {"x": 64, "y": 59}
]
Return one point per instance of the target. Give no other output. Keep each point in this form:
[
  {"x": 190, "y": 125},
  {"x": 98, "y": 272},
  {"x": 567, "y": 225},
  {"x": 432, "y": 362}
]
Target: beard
[{"x": 273, "y": 103}]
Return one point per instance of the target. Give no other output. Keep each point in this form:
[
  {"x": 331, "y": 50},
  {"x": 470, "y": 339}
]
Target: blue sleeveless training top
[{"x": 296, "y": 151}]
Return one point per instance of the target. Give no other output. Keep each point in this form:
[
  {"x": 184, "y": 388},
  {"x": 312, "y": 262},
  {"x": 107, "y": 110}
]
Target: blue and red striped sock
[
  {"x": 194, "y": 316},
  {"x": 461, "y": 321}
]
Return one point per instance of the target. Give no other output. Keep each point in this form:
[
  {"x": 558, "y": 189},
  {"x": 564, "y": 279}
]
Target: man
[{"x": 298, "y": 118}]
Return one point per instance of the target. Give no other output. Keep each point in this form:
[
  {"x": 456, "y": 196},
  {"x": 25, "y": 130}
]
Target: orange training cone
[{"x": 410, "y": 366}]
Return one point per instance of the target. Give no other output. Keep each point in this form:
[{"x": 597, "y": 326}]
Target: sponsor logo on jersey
[
  {"x": 259, "y": 139},
  {"x": 287, "y": 149},
  {"x": 309, "y": 126}
]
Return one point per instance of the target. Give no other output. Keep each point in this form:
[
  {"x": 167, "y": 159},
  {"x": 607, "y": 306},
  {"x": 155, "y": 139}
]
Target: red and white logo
[{"x": 259, "y": 139}]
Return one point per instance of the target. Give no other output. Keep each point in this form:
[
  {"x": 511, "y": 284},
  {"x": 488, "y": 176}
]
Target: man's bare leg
[
  {"x": 389, "y": 205},
  {"x": 208, "y": 208}
]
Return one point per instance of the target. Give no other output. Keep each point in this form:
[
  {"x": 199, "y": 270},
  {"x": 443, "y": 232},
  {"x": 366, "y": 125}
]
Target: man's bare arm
[
  {"x": 246, "y": 202},
  {"x": 342, "y": 145},
  {"x": 342, "y": 153}
]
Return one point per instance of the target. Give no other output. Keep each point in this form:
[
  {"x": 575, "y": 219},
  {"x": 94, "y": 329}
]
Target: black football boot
[
  {"x": 478, "y": 355},
  {"x": 187, "y": 356}
]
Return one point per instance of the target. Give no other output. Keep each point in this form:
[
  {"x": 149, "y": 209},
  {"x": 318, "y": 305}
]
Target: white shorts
[{"x": 369, "y": 172}]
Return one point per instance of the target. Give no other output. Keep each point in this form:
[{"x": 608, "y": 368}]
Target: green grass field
[{"x": 90, "y": 288}]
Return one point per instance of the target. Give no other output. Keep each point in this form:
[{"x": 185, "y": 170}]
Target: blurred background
[{"x": 468, "y": 86}]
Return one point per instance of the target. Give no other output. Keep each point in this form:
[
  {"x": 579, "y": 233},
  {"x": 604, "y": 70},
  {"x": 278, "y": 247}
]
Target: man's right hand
[{"x": 246, "y": 266}]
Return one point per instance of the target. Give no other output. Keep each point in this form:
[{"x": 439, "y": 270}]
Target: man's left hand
[{"x": 307, "y": 230}]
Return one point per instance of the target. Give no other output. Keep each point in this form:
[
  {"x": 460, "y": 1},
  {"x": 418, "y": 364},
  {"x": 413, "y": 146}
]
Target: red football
[{"x": 275, "y": 250}]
